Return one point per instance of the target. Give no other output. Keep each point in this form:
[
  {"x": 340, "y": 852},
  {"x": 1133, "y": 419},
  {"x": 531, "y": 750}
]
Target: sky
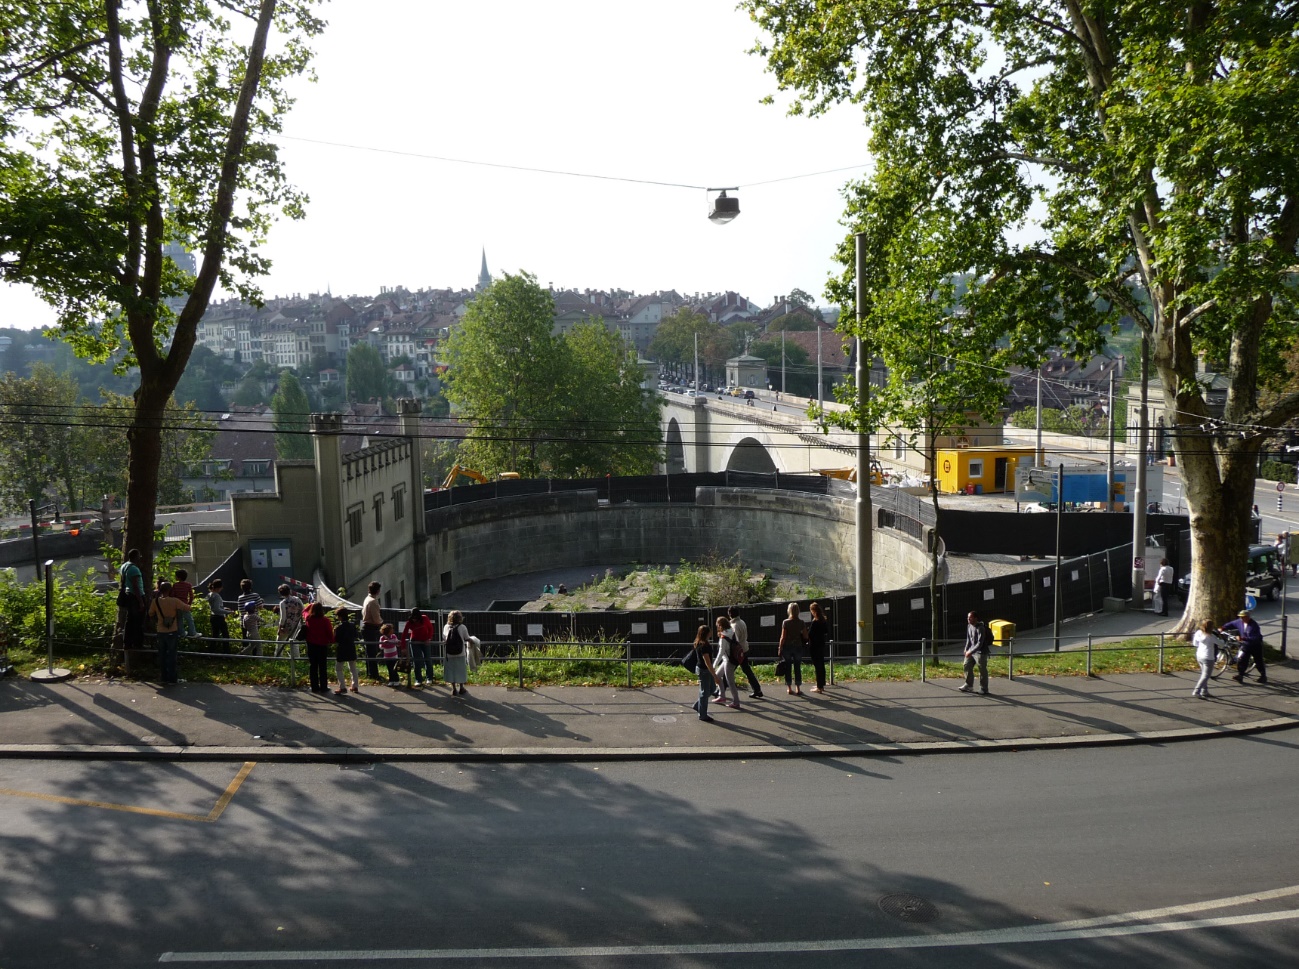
[{"x": 661, "y": 92}]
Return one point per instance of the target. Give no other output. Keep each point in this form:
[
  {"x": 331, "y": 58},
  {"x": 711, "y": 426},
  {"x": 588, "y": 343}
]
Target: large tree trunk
[
  {"x": 1218, "y": 482},
  {"x": 144, "y": 457}
]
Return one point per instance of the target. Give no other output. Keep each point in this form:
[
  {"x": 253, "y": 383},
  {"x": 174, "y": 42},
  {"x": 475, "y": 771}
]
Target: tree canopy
[
  {"x": 540, "y": 404},
  {"x": 130, "y": 131},
  {"x": 292, "y": 419},
  {"x": 367, "y": 375},
  {"x": 1078, "y": 162}
]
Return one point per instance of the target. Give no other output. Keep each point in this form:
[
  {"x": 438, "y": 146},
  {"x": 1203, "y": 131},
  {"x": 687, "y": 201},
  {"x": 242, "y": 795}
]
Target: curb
[{"x": 354, "y": 755}]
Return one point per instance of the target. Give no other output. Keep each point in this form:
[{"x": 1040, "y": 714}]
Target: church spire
[{"x": 484, "y": 277}]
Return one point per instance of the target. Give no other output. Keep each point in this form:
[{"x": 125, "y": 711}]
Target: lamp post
[{"x": 865, "y": 585}]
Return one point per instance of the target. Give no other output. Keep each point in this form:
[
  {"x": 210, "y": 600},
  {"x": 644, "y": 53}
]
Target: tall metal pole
[
  {"x": 696, "y": 364},
  {"x": 1059, "y": 522},
  {"x": 1041, "y": 455},
  {"x": 782, "y": 363},
  {"x": 1109, "y": 466},
  {"x": 1139, "y": 495},
  {"x": 820, "y": 405},
  {"x": 865, "y": 585}
]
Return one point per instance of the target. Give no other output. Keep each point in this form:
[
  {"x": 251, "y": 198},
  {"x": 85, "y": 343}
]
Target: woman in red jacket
[
  {"x": 320, "y": 634},
  {"x": 419, "y": 635}
]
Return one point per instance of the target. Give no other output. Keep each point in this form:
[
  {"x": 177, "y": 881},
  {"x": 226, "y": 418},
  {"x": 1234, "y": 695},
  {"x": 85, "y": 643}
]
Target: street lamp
[
  {"x": 725, "y": 208},
  {"x": 1036, "y": 476}
]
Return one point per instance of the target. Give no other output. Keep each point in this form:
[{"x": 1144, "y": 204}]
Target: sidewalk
[{"x": 128, "y": 720}]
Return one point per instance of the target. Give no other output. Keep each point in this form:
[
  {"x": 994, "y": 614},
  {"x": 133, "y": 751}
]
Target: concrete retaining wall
[{"x": 766, "y": 529}]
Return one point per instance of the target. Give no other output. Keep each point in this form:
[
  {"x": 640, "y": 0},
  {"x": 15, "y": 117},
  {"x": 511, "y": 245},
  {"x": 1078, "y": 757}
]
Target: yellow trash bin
[{"x": 1003, "y": 631}]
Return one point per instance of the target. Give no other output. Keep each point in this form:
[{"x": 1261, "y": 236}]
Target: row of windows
[{"x": 356, "y": 514}]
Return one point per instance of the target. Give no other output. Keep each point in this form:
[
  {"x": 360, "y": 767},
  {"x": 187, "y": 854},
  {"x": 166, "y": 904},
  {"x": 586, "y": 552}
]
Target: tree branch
[{"x": 45, "y": 62}]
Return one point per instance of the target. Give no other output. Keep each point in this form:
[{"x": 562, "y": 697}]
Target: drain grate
[{"x": 908, "y": 908}]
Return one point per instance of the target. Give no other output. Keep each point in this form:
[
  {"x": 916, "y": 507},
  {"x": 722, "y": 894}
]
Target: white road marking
[{"x": 1105, "y": 926}]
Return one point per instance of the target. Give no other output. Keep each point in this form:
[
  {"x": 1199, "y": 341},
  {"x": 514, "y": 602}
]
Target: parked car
[
  {"x": 1262, "y": 575},
  {"x": 749, "y": 395}
]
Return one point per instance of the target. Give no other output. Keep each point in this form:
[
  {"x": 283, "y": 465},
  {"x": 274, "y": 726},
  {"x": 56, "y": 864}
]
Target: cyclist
[{"x": 1251, "y": 645}]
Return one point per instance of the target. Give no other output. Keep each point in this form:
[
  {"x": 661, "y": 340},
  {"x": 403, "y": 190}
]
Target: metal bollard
[
  {"x": 520, "y": 645},
  {"x": 1010, "y": 658},
  {"x": 1089, "y": 654},
  {"x": 293, "y": 672},
  {"x": 923, "y": 677},
  {"x": 1161, "y": 652},
  {"x": 629, "y": 665}
]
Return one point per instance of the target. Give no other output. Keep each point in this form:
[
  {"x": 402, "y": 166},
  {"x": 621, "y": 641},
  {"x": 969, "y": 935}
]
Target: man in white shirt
[
  {"x": 741, "y": 631},
  {"x": 1164, "y": 582}
]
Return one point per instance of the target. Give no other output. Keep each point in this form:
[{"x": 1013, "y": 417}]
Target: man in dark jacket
[
  {"x": 1251, "y": 642},
  {"x": 978, "y": 643}
]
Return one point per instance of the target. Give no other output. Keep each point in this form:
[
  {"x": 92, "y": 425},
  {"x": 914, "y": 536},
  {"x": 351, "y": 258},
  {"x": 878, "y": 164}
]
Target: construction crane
[{"x": 477, "y": 477}]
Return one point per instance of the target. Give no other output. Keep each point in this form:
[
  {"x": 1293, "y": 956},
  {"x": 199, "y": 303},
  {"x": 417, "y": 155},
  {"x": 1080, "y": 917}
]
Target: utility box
[{"x": 1003, "y": 631}]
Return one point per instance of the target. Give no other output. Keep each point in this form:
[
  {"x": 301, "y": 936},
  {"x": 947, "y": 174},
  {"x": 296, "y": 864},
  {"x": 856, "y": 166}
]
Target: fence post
[
  {"x": 1161, "y": 651},
  {"x": 629, "y": 664},
  {"x": 1089, "y": 654},
  {"x": 832, "y": 661},
  {"x": 293, "y": 671},
  {"x": 1010, "y": 658},
  {"x": 923, "y": 675},
  {"x": 520, "y": 645}
]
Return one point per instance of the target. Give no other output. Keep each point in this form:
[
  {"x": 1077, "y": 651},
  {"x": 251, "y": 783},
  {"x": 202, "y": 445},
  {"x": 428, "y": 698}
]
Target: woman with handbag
[
  {"x": 793, "y": 636},
  {"x": 166, "y": 610},
  {"x": 704, "y": 667},
  {"x": 818, "y": 641}
]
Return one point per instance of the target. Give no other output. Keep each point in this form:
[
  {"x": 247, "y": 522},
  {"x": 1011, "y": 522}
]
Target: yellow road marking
[{"x": 222, "y": 802}]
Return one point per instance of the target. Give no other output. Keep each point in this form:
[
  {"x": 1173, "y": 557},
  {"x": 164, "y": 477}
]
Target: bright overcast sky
[{"x": 661, "y": 91}]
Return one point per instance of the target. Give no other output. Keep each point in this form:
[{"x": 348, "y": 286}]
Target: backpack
[
  {"x": 691, "y": 660},
  {"x": 455, "y": 644},
  {"x": 985, "y": 637}
]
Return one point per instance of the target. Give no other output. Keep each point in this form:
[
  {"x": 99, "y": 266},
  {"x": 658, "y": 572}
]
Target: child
[
  {"x": 345, "y": 638},
  {"x": 250, "y": 604},
  {"x": 182, "y": 590},
  {"x": 389, "y": 643},
  {"x": 216, "y": 605}
]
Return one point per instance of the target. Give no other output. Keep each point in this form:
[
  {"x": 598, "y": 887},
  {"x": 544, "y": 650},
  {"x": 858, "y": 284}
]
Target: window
[
  {"x": 378, "y": 513},
  {"x": 398, "y": 503},
  {"x": 256, "y": 467},
  {"x": 976, "y": 467},
  {"x": 354, "y": 524}
]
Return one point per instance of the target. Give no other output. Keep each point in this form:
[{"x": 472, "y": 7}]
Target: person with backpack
[
  {"x": 978, "y": 644},
  {"x": 290, "y": 610},
  {"x": 700, "y": 661},
  {"x": 725, "y": 663},
  {"x": 249, "y": 605},
  {"x": 345, "y": 634},
  {"x": 455, "y": 665},
  {"x": 166, "y": 609}
]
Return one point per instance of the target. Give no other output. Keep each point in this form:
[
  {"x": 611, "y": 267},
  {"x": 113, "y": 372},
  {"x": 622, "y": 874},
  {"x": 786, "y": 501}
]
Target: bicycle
[{"x": 1229, "y": 655}]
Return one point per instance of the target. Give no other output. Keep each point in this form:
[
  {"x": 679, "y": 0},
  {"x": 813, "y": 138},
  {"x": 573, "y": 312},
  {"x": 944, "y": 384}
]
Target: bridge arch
[
  {"x": 750, "y": 454},
  {"x": 676, "y": 449}
]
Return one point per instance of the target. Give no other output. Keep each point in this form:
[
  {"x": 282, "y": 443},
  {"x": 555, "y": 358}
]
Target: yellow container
[{"x": 1003, "y": 631}]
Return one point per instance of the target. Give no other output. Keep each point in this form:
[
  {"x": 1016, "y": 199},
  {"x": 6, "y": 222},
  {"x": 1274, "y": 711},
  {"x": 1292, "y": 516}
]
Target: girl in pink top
[{"x": 390, "y": 645}]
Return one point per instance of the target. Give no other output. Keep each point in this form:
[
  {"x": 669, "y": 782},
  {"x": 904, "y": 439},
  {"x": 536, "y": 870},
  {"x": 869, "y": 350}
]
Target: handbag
[
  {"x": 782, "y": 667},
  {"x": 691, "y": 661},
  {"x": 475, "y": 653}
]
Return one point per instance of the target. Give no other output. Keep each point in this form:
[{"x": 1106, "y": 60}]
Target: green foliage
[
  {"x": 1277, "y": 471},
  {"x": 292, "y": 424},
  {"x": 38, "y": 437},
  {"x": 82, "y": 615},
  {"x": 1077, "y": 167},
  {"x": 367, "y": 374},
  {"x": 540, "y": 404},
  {"x": 799, "y": 368}
]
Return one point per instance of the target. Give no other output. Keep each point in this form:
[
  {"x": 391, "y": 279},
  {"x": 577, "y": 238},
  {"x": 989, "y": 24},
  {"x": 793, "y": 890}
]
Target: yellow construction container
[
  {"x": 979, "y": 470},
  {"x": 1003, "y": 631}
]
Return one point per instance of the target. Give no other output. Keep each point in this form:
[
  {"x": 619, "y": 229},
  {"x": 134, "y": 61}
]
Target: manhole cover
[
  {"x": 908, "y": 908},
  {"x": 665, "y": 719}
]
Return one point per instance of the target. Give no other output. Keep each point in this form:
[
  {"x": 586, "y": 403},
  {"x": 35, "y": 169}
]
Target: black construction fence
[{"x": 902, "y": 623}]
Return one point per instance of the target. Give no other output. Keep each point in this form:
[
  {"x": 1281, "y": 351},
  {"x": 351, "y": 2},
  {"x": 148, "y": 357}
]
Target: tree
[
  {"x": 800, "y": 375},
  {"x": 797, "y": 297},
  {"x": 292, "y": 419},
  {"x": 128, "y": 128},
  {"x": 503, "y": 371},
  {"x": 609, "y": 424},
  {"x": 1158, "y": 142},
  {"x": 674, "y": 339},
  {"x": 37, "y": 450},
  {"x": 367, "y": 375}
]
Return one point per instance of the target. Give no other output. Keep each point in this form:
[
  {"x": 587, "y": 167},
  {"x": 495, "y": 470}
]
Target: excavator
[
  {"x": 850, "y": 474},
  {"x": 477, "y": 477}
]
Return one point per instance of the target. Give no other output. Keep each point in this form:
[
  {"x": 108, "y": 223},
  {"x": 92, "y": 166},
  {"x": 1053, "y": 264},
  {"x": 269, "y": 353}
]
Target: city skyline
[{"x": 666, "y": 95}]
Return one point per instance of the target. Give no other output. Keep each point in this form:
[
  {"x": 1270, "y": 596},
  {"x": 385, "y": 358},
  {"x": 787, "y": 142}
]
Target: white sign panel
[
  {"x": 536, "y": 629},
  {"x": 503, "y": 629},
  {"x": 672, "y": 627},
  {"x": 640, "y": 629}
]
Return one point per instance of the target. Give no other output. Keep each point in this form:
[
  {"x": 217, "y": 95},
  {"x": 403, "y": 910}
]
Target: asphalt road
[{"x": 1087, "y": 858}]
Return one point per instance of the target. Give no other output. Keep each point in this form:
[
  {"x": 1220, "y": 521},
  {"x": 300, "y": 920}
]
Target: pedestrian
[
  {"x": 130, "y": 601},
  {"x": 217, "y": 607},
  {"x": 390, "y": 646},
  {"x": 704, "y": 667},
  {"x": 455, "y": 665},
  {"x": 249, "y": 605},
  {"x": 725, "y": 662},
  {"x": 818, "y": 644},
  {"x": 166, "y": 610},
  {"x": 418, "y": 636},
  {"x": 345, "y": 641},
  {"x": 741, "y": 630},
  {"x": 320, "y": 634},
  {"x": 978, "y": 643},
  {"x": 371, "y": 622},
  {"x": 184, "y": 591},
  {"x": 793, "y": 637},
  {"x": 290, "y": 624},
  {"x": 1207, "y": 645},
  {"x": 1164, "y": 584},
  {"x": 1251, "y": 645}
]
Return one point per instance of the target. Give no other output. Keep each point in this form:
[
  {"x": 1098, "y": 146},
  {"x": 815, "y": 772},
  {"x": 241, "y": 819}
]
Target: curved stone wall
[{"x": 766, "y": 529}]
